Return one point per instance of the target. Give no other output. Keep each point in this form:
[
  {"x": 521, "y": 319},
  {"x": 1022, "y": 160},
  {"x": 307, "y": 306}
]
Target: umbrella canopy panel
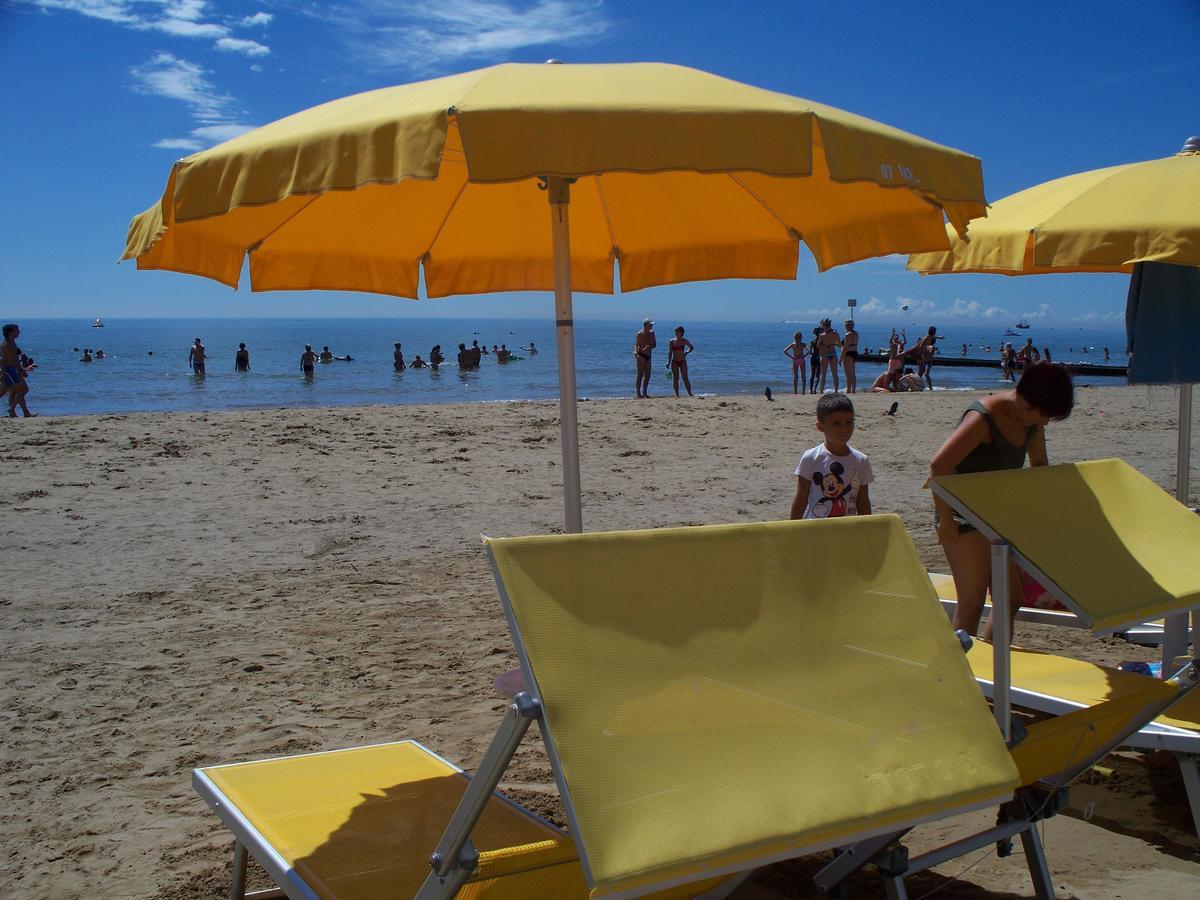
[
  {"x": 679, "y": 176},
  {"x": 1103, "y": 220}
]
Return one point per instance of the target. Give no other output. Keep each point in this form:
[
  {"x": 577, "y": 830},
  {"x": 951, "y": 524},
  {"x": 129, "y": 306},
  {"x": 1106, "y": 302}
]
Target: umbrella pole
[
  {"x": 559, "y": 190},
  {"x": 1175, "y": 631}
]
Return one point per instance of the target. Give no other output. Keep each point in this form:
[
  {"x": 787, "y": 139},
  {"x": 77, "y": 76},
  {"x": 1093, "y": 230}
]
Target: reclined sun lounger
[
  {"x": 1115, "y": 549},
  {"x": 711, "y": 699}
]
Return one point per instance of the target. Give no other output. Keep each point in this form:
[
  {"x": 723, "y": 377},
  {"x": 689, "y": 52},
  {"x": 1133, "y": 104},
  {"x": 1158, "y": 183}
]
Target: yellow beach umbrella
[
  {"x": 672, "y": 175},
  {"x": 1104, "y": 220}
]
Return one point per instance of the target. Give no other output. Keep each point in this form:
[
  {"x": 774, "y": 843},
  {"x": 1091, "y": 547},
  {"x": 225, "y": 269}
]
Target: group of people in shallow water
[
  {"x": 469, "y": 358},
  {"x": 678, "y": 350},
  {"x": 999, "y": 431}
]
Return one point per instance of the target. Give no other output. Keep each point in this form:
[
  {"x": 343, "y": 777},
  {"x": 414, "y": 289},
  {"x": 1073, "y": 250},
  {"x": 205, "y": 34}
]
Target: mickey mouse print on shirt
[{"x": 834, "y": 480}]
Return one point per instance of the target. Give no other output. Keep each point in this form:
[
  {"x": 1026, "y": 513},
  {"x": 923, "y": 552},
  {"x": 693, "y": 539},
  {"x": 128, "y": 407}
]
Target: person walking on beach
[
  {"x": 997, "y": 432},
  {"x": 644, "y": 343},
  {"x": 797, "y": 352},
  {"x": 677, "y": 354},
  {"x": 922, "y": 354},
  {"x": 827, "y": 347},
  {"x": 850, "y": 357},
  {"x": 896, "y": 359},
  {"x": 832, "y": 478},
  {"x": 814, "y": 361},
  {"x": 196, "y": 357},
  {"x": 1008, "y": 361},
  {"x": 12, "y": 375},
  {"x": 308, "y": 361},
  {"x": 398, "y": 358},
  {"x": 241, "y": 359}
]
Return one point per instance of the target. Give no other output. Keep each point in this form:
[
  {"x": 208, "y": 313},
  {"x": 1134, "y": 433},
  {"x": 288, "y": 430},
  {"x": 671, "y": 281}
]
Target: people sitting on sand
[
  {"x": 398, "y": 358},
  {"x": 326, "y": 355},
  {"x": 241, "y": 359},
  {"x": 417, "y": 362},
  {"x": 910, "y": 381},
  {"x": 881, "y": 384},
  {"x": 435, "y": 357}
]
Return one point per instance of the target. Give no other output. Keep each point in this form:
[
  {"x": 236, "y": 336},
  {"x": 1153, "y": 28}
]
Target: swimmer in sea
[
  {"x": 307, "y": 361},
  {"x": 241, "y": 359},
  {"x": 398, "y": 358}
]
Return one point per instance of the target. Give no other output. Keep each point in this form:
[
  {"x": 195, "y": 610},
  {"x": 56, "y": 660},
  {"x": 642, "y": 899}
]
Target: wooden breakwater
[{"x": 973, "y": 363}]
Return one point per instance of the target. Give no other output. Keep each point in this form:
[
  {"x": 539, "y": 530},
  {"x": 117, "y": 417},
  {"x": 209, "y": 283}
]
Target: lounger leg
[
  {"x": 893, "y": 888},
  {"x": 237, "y": 888},
  {"x": 1035, "y": 858},
  {"x": 1191, "y": 783}
]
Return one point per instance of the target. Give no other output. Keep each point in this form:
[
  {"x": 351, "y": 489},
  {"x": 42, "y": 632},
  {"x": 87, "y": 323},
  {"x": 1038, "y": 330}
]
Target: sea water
[{"x": 146, "y": 368}]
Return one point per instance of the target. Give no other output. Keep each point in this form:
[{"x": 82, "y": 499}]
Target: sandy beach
[{"x": 187, "y": 589}]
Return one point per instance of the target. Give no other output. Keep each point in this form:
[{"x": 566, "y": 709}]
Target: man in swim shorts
[
  {"x": 196, "y": 357},
  {"x": 644, "y": 343},
  {"x": 308, "y": 361}
]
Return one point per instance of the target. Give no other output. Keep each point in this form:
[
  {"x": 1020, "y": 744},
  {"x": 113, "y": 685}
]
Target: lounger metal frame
[{"x": 1020, "y": 816}]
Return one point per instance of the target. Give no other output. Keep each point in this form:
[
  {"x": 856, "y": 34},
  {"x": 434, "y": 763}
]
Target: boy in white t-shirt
[{"x": 832, "y": 477}]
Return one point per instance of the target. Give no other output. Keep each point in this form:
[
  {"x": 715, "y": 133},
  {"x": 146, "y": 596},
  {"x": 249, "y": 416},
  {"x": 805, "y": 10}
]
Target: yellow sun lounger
[
  {"x": 1116, "y": 550},
  {"x": 711, "y": 700}
]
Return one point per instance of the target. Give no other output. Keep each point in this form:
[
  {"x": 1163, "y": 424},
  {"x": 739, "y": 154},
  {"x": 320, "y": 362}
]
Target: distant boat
[
  {"x": 1024, "y": 323},
  {"x": 99, "y": 323},
  {"x": 1008, "y": 332}
]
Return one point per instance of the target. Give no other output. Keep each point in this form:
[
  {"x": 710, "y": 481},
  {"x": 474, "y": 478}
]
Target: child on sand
[{"x": 832, "y": 478}]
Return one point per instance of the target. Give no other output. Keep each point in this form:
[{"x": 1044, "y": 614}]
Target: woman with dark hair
[{"x": 997, "y": 432}]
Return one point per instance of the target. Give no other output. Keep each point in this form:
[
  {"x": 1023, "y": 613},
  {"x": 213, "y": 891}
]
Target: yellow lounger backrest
[
  {"x": 721, "y": 695},
  {"x": 1119, "y": 547}
]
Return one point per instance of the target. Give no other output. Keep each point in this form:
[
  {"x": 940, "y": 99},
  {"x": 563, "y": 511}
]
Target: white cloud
[
  {"x": 176, "y": 18},
  {"x": 165, "y": 75},
  {"x": 423, "y": 35},
  {"x": 178, "y": 144},
  {"x": 1044, "y": 311},
  {"x": 239, "y": 45},
  {"x": 964, "y": 309}
]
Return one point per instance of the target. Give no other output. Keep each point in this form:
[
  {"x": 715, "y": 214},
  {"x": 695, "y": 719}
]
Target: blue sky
[{"x": 101, "y": 96}]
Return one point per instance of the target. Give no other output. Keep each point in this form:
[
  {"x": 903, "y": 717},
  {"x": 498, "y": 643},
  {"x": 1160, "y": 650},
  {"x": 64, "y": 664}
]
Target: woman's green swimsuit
[{"x": 1000, "y": 454}]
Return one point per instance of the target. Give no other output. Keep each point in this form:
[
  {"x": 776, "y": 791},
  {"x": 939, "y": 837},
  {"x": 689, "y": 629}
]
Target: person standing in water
[
  {"x": 850, "y": 357},
  {"x": 398, "y": 358},
  {"x": 308, "y": 361},
  {"x": 241, "y": 359},
  {"x": 797, "y": 352},
  {"x": 677, "y": 354},
  {"x": 644, "y": 343},
  {"x": 196, "y": 357}
]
